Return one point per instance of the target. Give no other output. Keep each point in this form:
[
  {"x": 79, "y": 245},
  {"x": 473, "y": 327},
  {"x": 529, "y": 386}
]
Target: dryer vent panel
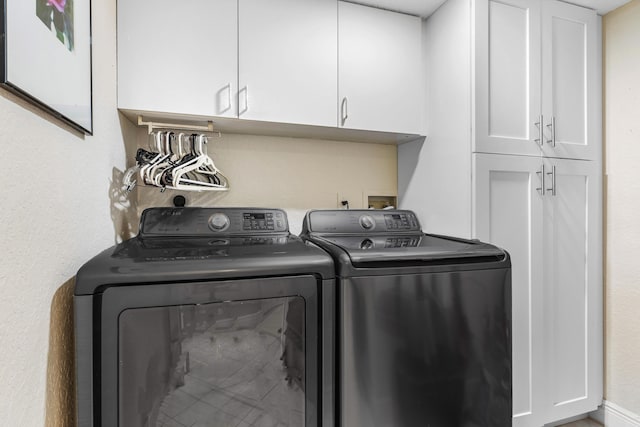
[{"x": 381, "y": 202}]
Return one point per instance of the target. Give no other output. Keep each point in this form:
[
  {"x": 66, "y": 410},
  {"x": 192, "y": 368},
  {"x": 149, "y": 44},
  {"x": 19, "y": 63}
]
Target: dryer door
[
  {"x": 215, "y": 364},
  {"x": 227, "y": 353}
]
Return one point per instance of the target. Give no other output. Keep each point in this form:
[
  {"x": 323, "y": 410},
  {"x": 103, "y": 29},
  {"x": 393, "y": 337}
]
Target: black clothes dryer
[
  {"x": 424, "y": 322},
  {"x": 209, "y": 317}
]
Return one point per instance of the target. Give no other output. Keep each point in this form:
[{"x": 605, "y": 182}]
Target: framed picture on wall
[{"x": 46, "y": 57}]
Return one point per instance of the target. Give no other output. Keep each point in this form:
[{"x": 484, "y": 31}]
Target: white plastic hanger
[
  {"x": 185, "y": 177},
  {"x": 178, "y": 162}
]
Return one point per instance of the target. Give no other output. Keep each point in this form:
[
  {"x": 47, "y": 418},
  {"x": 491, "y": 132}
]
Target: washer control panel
[
  {"x": 361, "y": 221},
  {"x": 203, "y": 222}
]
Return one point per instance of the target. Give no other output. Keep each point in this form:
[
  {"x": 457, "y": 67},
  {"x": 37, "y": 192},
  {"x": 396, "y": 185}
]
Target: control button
[
  {"x": 366, "y": 244},
  {"x": 218, "y": 222},
  {"x": 367, "y": 222}
]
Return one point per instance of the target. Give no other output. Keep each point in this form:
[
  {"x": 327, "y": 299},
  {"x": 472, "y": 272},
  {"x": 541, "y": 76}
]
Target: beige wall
[
  {"x": 621, "y": 31},
  {"x": 292, "y": 173}
]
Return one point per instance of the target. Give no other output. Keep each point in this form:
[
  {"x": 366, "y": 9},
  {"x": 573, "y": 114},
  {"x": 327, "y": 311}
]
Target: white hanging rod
[{"x": 156, "y": 125}]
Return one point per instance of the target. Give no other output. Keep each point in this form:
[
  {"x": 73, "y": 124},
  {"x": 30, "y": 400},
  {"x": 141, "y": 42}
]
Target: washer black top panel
[
  {"x": 359, "y": 221},
  {"x": 201, "y": 222},
  {"x": 412, "y": 247},
  {"x": 379, "y": 238},
  {"x": 169, "y": 250}
]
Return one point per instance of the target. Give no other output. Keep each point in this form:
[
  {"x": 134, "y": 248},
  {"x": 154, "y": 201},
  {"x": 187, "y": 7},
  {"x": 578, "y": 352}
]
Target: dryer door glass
[{"x": 234, "y": 363}]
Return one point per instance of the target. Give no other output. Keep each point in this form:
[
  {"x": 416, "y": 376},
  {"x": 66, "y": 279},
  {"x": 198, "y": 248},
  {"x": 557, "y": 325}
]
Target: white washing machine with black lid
[
  {"x": 210, "y": 316},
  {"x": 424, "y": 322}
]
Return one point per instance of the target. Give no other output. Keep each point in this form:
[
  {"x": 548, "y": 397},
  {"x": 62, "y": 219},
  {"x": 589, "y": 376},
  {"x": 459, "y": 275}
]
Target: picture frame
[{"x": 45, "y": 49}]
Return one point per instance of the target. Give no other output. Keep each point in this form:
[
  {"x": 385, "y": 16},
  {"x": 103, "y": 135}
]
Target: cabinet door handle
[
  {"x": 541, "y": 174},
  {"x": 553, "y": 181},
  {"x": 552, "y": 127},
  {"x": 344, "y": 110},
  {"x": 540, "y": 125},
  {"x": 245, "y": 91},
  {"x": 246, "y": 98}
]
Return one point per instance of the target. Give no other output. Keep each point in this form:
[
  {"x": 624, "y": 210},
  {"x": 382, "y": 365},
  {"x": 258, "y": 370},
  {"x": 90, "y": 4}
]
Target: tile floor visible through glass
[{"x": 235, "y": 378}]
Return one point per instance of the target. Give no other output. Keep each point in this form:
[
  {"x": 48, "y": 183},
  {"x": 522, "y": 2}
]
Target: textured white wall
[
  {"x": 56, "y": 213},
  {"x": 621, "y": 32},
  {"x": 62, "y": 203}
]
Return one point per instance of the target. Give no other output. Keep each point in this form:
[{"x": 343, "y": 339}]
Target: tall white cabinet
[
  {"x": 546, "y": 213},
  {"x": 510, "y": 214},
  {"x": 513, "y": 157}
]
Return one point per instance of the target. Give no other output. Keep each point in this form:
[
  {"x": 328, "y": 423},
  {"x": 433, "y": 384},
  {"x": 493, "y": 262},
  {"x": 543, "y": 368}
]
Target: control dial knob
[
  {"x": 367, "y": 222},
  {"x": 366, "y": 244},
  {"x": 218, "y": 222}
]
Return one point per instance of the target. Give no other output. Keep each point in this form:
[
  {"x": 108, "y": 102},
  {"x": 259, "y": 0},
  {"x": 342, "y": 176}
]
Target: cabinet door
[
  {"x": 379, "y": 69},
  {"x": 573, "y": 289},
  {"x": 178, "y": 59},
  {"x": 507, "y": 83},
  {"x": 508, "y": 213},
  {"x": 288, "y": 61},
  {"x": 569, "y": 81}
]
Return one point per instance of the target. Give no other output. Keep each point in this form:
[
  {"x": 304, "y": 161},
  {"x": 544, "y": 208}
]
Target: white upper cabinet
[
  {"x": 178, "y": 59},
  {"x": 536, "y": 71},
  {"x": 569, "y": 58},
  {"x": 272, "y": 61},
  {"x": 379, "y": 62},
  {"x": 288, "y": 61}
]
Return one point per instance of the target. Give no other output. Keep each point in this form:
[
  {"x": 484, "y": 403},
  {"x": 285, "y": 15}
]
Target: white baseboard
[{"x": 612, "y": 415}]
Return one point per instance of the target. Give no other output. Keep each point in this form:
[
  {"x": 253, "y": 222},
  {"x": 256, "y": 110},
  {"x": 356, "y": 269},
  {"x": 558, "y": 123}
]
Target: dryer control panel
[
  {"x": 204, "y": 222},
  {"x": 362, "y": 221}
]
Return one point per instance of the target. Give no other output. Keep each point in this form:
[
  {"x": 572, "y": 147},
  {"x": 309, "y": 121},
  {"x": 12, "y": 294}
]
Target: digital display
[
  {"x": 400, "y": 221},
  {"x": 254, "y": 216},
  {"x": 406, "y": 242}
]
